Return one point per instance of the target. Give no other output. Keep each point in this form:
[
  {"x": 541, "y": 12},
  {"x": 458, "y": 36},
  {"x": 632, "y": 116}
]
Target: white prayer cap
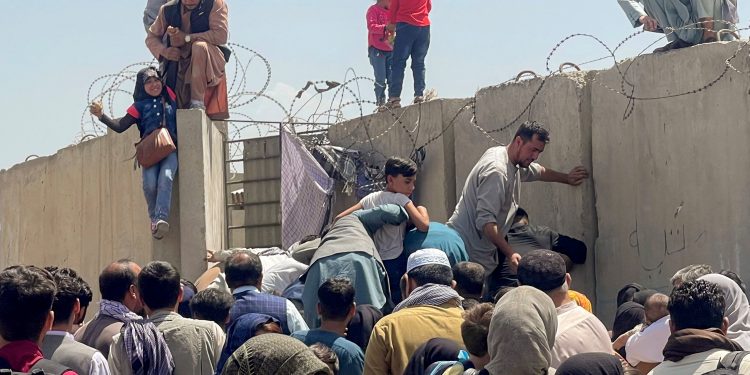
[{"x": 427, "y": 256}]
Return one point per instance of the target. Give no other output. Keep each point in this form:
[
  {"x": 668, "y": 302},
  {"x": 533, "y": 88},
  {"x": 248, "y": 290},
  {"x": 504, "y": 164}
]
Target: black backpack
[
  {"x": 41, "y": 367},
  {"x": 729, "y": 364}
]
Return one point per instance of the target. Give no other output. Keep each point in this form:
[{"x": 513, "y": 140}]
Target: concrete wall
[
  {"x": 203, "y": 207},
  {"x": 83, "y": 207},
  {"x": 667, "y": 184},
  {"x": 671, "y": 183}
]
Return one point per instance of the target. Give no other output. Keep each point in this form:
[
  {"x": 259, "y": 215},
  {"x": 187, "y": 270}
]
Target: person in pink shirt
[
  {"x": 380, "y": 49},
  {"x": 411, "y": 22}
]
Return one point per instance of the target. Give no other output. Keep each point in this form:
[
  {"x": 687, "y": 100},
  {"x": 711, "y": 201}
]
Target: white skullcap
[{"x": 427, "y": 256}]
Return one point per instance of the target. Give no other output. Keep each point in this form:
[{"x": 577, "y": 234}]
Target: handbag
[{"x": 156, "y": 146}]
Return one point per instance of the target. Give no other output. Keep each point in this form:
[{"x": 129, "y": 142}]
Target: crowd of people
[{"x": 150, "y": 321}]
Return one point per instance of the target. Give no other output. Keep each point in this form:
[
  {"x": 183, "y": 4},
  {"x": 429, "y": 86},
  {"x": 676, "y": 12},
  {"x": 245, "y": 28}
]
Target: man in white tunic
[{"x": 685, "y": 22}]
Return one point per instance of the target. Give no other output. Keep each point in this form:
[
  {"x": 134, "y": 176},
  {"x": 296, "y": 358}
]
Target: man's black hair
[
  {"x": 70, "y": 287},
  {"x": 26, "y": 297},
  {"x": 159, "y": 285},
  {"x": 528, "y": 129},
  {"x": 115, "y": 283},
  {"x": 399, "y": 166},
  {"x": 696, "y": 304},
  {"x": 431, "y": 274},
  {"x": 520, "y": 215},
  {"x": 336, "y": 297},
  {"x": 469, "y": 278},
  {"x": 243, "y": 268},
  {"x": 503, "y": 291},
  {"x": 212, "y": 304}
]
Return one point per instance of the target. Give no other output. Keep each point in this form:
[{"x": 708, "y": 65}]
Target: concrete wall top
[{"x": 670, "y": 178}]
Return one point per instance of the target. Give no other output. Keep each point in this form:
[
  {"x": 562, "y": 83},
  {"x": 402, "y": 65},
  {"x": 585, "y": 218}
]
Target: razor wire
[{"x": 338, "y": 107}]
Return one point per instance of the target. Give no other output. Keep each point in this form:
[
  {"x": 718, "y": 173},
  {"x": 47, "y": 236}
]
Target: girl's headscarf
[
  {"x": 522, "y": 333},
  {"x": 139, "y": 93},
  {"x": 275, "y": 354},
  {"x": 737, "y": 310},
  {"x": 591, "y": 364},
  {"x": 627, "y": 292},
  {"x": 629, "y": 315}
]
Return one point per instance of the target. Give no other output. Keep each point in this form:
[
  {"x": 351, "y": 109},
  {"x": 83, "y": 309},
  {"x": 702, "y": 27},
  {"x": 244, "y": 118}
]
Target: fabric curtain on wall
[{"x": 305, "y": 191}]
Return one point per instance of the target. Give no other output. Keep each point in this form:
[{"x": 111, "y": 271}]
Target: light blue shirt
[{"x": 293, "y": 317}]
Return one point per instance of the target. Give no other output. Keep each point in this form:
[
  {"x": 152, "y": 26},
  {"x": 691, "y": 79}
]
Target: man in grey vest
[
  {"x": 58, "y": 344},
  {"x": 120, "y": 304}
]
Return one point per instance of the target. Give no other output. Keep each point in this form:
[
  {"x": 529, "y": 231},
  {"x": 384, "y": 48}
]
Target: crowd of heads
[{"x": 518, "y": 332}]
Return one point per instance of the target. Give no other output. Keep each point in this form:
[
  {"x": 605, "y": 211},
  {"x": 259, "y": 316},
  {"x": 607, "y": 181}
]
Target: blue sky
[{"x": 54, "y": 50}]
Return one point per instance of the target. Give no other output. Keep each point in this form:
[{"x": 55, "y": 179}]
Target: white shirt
[
  {"x": 99, "y": 365},
  {"x": 279, "y": 271},
  {"x": 648, "y": 344},
  {"x": 294, "y": 319},
  {"x": 578, "y": 331},
  {"x": 389, "y": 240}
]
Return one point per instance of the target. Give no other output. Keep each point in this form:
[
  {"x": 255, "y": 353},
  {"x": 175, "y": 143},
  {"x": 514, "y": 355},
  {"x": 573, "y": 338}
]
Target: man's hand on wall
[{"x": 577, "y": 175}]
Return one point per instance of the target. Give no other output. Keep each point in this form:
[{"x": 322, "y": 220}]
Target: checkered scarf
[
  {"x": 430, "y": 294},
  {"x": 117, "y": 311},
  {"x": 146, "y": 348}
]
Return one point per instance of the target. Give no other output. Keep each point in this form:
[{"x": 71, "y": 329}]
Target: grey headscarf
[
  {"x": 737, "y": 311},
  {"x": 274, "y": 354},
  {"x": 522, "y": 333}
]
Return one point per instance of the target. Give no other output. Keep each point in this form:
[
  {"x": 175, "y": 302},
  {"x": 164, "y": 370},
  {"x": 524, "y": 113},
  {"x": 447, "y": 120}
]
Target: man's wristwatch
[{"x": 187, "y": 38}]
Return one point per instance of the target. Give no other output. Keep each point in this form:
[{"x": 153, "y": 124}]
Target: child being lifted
[{"x": 401, "y": 176}]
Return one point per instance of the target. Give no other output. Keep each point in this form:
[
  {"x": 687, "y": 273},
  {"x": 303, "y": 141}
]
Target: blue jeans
[
  {"x": 381, "y": 62},
  {"x": 157, "y": 187},
  {"x": 411, "y": 41}
]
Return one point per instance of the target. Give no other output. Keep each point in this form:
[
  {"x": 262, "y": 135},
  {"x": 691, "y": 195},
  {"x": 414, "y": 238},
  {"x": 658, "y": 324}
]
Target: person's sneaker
[
  {"x": 393, "y": 103},
  {"x": 194, "y": 104},
  {"x": 418, "y": 99},
  {"x": 161, "y": 229},
  {"x": 430, "y": 94},
  {"x": 676, "y": 44}
]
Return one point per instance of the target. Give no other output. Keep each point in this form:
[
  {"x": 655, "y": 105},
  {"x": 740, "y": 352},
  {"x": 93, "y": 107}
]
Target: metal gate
[{"x": 253, "y": 188}]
